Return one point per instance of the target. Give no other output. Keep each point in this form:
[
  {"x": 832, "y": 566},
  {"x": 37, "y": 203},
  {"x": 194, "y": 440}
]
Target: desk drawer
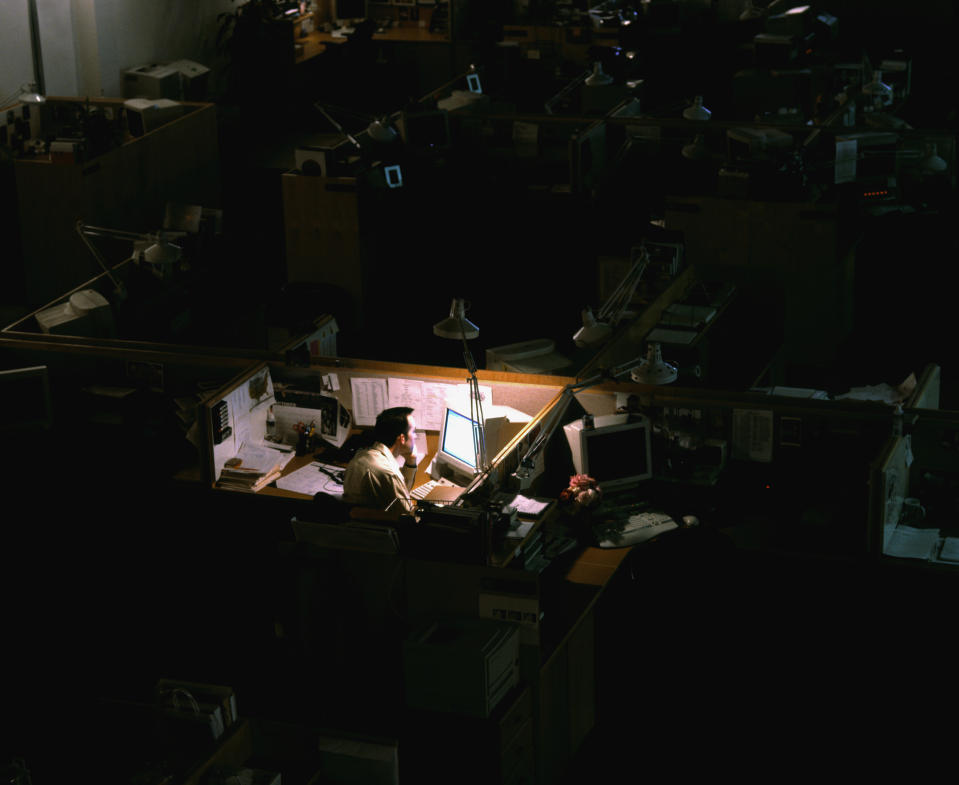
[
  {"x": 308, "y": 47},
  {"x": 519, "y": 754},
  {"x": 515, "y": 717}
]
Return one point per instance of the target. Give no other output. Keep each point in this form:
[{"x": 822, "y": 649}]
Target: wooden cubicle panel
[{"x": 126, "y": 188}]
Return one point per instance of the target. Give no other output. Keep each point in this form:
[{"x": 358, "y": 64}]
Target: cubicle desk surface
[
  {"x": 317, "y": 42},
  {"x": 299, "y": 461}
]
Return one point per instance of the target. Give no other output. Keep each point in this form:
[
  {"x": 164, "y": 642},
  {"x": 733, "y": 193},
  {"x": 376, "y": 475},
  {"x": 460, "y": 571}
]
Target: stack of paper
[
  {"x": 253, "y": 468},
  {"x": 909, "y": 542}
]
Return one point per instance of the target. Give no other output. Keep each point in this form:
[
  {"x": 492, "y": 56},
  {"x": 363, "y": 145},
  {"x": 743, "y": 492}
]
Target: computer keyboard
[
  {"x": 420, "y": 493},
  {"x": 423, "y": 490}
]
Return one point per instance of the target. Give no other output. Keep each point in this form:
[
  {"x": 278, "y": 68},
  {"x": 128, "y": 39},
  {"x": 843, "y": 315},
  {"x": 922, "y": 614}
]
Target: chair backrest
[{"x": 327, "y": 508}]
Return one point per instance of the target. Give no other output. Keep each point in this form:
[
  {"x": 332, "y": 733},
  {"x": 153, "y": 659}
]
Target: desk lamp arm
[
  {"x": 561, "y": 95},
  {"x": 85, "y": 232},
  {"x": 444, "y": 87},
  {"x": 476, "y": 409},
  {"x": 565, "y": 398},
  {"x": 319, "y": 107},
  {"x": 617, "y": 303}
]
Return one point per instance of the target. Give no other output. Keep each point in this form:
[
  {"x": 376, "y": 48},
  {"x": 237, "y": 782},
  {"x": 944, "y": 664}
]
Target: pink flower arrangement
[{"x": 583, "y": 492}]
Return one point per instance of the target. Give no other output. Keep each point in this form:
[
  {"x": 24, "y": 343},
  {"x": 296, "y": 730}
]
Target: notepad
[
  {"x": 908, "y": 542},
  {"x": 950, "y": 550},
  {"x": 671, "y": 336}
]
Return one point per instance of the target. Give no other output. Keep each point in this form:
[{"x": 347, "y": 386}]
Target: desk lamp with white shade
[
  {"x": 599, "y": 326},
  {"x": 457, "y": 327}
]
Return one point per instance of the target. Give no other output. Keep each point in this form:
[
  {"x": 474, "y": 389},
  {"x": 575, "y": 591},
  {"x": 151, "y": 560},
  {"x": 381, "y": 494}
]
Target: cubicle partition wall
[
  {"x": 362, "y": 388},
  {"x": 112, "y": 178},
  {"x": 776, "y": 473}
]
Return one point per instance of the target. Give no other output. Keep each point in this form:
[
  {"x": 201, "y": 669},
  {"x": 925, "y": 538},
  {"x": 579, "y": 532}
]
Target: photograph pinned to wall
[
  {"x": 336, "y": 421},
  {"x": 289, "y": 420},
  {"x": 331, "y": 420},
  {"x": 260, "y": 388}
]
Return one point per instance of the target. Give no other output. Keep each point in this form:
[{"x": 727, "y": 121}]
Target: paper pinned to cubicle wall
[
  {"x": 844, "y": 168},
  {"x": 369, "y": 399},
  {"x": 526, "y": 138},
  {"x": 427, "y": 399},
  {"x": 753, "y": 435},
  {"x": 486, "y": 393}
]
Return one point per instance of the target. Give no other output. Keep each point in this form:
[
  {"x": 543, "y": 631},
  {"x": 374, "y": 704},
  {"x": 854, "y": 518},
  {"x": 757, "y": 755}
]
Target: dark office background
[{"x": 112, "y": 580}]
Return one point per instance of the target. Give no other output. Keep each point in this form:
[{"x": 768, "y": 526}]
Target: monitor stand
[{"x": 440, "y": 470}]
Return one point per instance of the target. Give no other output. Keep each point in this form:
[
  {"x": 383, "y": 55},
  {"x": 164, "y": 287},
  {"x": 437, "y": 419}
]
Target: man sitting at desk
[{"x": 373, "y": 476}]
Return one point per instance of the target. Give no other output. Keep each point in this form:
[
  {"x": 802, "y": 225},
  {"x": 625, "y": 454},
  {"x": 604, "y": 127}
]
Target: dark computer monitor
[
  {"x": 425, "y": 131},
  {"x": 350, "y": 9},
  {"x": 26, "y": 394},
  {"x": 616, "y": 451}
]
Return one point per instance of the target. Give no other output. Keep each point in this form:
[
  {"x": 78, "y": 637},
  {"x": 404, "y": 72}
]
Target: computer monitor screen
[
  {"x": 458, "y": 435},
  {"x": 616, "y": 451},
  {"x": 456, "y": 456}
]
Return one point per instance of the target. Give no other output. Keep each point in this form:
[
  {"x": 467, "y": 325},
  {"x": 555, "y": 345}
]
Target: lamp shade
[
  {"x": 598, "y": 76},
  {"x": 879, "y": 91},
  {"x": 696, "y": 149},
  {"x": 456, "y": 326},
  {"x": 27, "y": 94},
  {"x": 654, "y": 370},
  {"x": 931, "y": 162},
  {"x": 162, "y": 253},
  {"x": 592, "y": 331},
  {"x": 381, "y": 131},
  {"x": 697, "y": 111},
  {"x": 30, "y": 96}
]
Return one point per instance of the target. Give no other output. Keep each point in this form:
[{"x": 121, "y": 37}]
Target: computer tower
[{"x": 460, "y": 665}]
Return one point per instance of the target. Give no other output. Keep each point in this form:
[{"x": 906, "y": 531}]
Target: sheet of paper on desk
[
  {"x": 310, "y": 480},
  {"x": 256, "y": 458},
  {"x": 908, "y": 542},
  {"x": 519, "y": 529},
  {"x": 526, "y": 506},
  {"x": 369, "y": 399},
  {"x": 950, "y": 550}
]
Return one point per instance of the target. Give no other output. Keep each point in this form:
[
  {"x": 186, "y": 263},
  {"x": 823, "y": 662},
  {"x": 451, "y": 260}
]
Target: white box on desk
[{"x": 155, "y": 80}]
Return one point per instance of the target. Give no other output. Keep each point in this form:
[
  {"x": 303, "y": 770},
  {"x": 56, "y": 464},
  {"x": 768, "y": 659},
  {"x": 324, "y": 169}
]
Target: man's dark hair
[{"x": 390, "y": 423}]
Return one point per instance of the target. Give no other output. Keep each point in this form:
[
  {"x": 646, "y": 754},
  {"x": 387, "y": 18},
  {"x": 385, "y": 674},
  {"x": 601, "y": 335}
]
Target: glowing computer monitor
[
  {"x": 616, "y": 451},
  {"x": 456, "y": 454}
]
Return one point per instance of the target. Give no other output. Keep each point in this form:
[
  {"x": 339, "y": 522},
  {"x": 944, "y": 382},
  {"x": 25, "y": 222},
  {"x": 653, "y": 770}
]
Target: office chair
[{"x": 328, "y": 509}]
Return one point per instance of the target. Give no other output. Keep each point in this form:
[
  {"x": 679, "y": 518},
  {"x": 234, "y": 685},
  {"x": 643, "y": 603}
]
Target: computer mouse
[{"x": 690, "y": 520}]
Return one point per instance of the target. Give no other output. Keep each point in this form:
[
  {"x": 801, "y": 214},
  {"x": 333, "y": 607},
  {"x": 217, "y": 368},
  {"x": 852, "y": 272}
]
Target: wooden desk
[
  {"x": 299, "y": 461},
  {"x": 315, "y": 43}
]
